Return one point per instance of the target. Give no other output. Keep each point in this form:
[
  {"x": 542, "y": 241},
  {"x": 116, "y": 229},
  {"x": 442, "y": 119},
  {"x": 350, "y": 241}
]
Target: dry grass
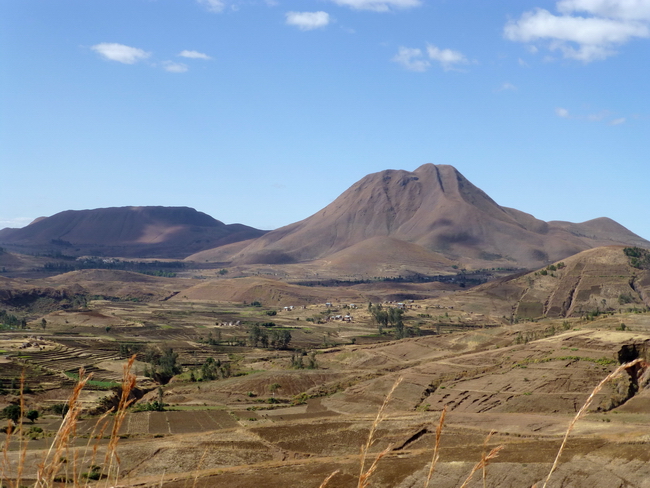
[
  {"x": 381, "y": 415},
  {"x": 62, "y": 462},
  {"x": 482, "y": 464},
  {"x": 327, "y": 480},
  {"x": 436, "y": 449},
  {"x": 583, "y": 410}
]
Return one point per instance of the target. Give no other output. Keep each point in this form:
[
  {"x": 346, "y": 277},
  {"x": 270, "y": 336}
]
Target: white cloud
[
  {"x": 618, "y": 121},
  {"x": 412, "y": 59},
  {"x": 447, "y": 58},
  {"x": 308, "y": 20},
  {"x": 379, "y": 5},
  {"x": 173, "y": 67},
  {"x": 194, "y": 55},
  {"x": 120, "y": 52},
  {"x": 562, "y": 112},
  {"x": 522, "y": 63},
  {"x": 215, "y": 6},
  {"x": 613, "y": 22},
  {"x": 616, "y": 9}
]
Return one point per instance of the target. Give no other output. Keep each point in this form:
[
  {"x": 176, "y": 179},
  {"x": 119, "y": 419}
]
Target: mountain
[
  {"x": 161, "y": 232},
  {"x": 437, "y": 208}
]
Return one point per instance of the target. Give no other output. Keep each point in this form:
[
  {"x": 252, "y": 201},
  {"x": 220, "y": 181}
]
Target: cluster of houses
[
  {"x": 342, "y": 318},
  {"x": 229, "y": 324},
  {"x": 402, "y": 305},
  {"x": 33, "y": 341},
  {"x": 330, "y": 305}
]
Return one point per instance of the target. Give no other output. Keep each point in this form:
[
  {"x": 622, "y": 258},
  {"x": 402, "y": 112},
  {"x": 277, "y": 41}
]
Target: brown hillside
[
  {"x": 438, "y": 209},
  {"x": 267, "y": 291},
  {"x": 59, "y": 292},
  {"x": 598, "y": 279},
  {"x": 172, "y": 232}
]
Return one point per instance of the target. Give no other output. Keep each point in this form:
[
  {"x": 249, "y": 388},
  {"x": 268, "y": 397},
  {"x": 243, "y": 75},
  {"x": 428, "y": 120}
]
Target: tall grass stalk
[
  {"x": 102, "y": 425},
  {"x": 365, "y": 475},
  {"x": 485, "y": 460},
  {"x": 112, "y": 460},
  {"x": 22, "y": 443},
  {"x": 583, "y": 410},
  {"x": 51, "y": 464},
  {"x": 483, "y": 457},
  {"x": 198, "y": 467},
  {"x": 436, "y": 449},
  {"x": 327, "y": 480},
  {"x": 4, "y": 467},
  {"x": 50, "y": 471}
]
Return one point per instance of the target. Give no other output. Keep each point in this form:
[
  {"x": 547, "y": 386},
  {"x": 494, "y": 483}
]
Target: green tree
[
  {"x": 379, "y": 315},
  {"x": 210, "y": 369},
  {"x": 168, "y": 366},
  {"x": 296, "y": 360},
  {"x": 60, "y": 409},
  {"x": 280, "y": 339},
  {"x": 12, "y": 412},
  {"x": 254, "y": 335},
  {"x": 32, "y": 415},
  {"x": 43, "y": 323},
  {"x": 311, "y": 361}
]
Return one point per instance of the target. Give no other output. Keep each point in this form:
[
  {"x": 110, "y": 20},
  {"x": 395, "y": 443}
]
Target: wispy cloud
[
  {"x": 600, "y": 116},
  {"x": 194, "y": 55},
  {"x": 412, "y": 59},
  {"x": 447, "y": 58},
  {"x": 507, "y": 87},
  {"x": 308, "y": 20},
  {"x": 379, "y": 5},
  {"x": 120, "y": 52},
  {"x": 173, "y": 67},
  {"x": 215, "y": 6},
  {"x": 615, "y": 9},
  {"x": 607, "y": 25},
  {"x": 562, "y": 112},
  {"x": 415, "y": 59}
]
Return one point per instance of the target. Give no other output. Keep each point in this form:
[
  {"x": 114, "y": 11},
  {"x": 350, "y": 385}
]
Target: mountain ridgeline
[
  {"x": 433, "y": 214},
  {"x": 434, "y": 209},
  {"x": 138, "y": 232}
]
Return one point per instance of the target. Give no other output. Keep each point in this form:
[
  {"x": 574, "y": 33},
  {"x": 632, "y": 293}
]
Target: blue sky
[{"x": 263, "y": 112}]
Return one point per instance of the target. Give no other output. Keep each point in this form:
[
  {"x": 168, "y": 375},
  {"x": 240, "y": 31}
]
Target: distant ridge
[
  {"x": 437, "y": 208},
  {"x": 161, "y": 232},
  {"x": 595, "y": 280},
  {"x": 432, "y": 218}
]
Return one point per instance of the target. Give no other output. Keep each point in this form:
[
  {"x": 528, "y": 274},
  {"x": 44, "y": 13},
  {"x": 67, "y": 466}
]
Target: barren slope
[
  {"x": 439, "y": 210},
  {"x": 596, "y": 280}
]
